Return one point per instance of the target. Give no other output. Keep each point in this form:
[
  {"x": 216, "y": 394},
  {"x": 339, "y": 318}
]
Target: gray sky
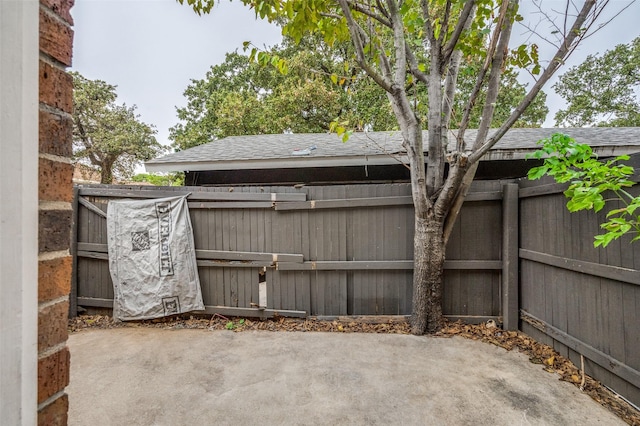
[{"x": 151, "y": 49}]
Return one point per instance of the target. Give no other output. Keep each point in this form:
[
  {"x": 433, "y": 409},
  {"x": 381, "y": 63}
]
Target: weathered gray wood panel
[
  {"x": 369, "y": 233},
  {"x": 589, "y": 297},
  {"x": 477, "y": 235}
]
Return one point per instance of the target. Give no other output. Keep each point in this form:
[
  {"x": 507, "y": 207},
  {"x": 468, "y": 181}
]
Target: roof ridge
[{"x": 287, "y": 147}]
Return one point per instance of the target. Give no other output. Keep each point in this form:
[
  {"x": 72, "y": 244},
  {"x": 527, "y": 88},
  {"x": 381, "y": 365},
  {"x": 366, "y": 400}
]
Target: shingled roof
[{"x": 370, "y": 148}]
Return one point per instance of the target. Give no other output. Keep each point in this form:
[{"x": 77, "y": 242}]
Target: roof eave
[
  {"x": 345, "y": 161},
  {"x": 275, "y": 163}
]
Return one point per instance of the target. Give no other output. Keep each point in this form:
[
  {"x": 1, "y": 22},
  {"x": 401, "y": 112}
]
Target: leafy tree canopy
[
  {"x": 240, "y": 96},
  {"x": 107, "y": 135},
  {"x": 603, "y": 90},
  {"x": 169, "y": 179}
]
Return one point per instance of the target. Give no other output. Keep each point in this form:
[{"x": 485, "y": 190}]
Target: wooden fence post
[
  {"x": 510, "y": 284},
  {"x": 73, "y": 297}
]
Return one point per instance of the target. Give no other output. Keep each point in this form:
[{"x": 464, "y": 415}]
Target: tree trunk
[
  {"x": 428, "y": 273},
  {"x": 106, "y": 175}
]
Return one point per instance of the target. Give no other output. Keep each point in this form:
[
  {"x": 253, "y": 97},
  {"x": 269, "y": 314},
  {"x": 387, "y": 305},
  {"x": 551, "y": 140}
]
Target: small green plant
[
  {"x": 589, "y": 178},
  {"x": 233, "y": 325}
]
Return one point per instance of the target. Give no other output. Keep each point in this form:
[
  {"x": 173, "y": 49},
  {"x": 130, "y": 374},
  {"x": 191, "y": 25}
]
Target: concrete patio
[{"x": 147, "y": 376}]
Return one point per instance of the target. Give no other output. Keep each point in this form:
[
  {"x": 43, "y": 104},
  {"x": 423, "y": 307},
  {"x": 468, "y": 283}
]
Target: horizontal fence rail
[
  {"x": 626, "y": 275},
  {"x": 602, "y": 359}
]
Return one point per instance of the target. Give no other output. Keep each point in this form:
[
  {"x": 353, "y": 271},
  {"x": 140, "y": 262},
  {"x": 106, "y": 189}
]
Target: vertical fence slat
[{"x": 510, "y": 285}]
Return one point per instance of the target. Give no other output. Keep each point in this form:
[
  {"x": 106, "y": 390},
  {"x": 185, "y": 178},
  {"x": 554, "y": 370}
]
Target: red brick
[
  {"x": 55, "y": 180},
  {"x": 56, "y": 87},
  {"x": 56, "y": 38},
  {"x": 53, "y": 374},
  {"x": 55, "y": 134},
  {"x": 52, "y": 325},
  {"x": 55, "y": 90},
  {"x": 54, "y": 278},
  {"x": 61, "y": 7},
  {"x": 54, "y": 230},
  {"x": 55, "y": 414}
]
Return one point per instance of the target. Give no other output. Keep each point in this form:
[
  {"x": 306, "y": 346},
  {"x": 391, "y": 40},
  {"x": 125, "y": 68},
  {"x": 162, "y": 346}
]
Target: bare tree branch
[
  {"x": 566, "y": 17},
  {"x": 359, "y": 48},
  {"x": 413, "y": 66},
  {"x": 603, "y": 24},
  {"x": 450, "y": 84},
  {"x": 365, "y": 10},
  {"x": 398, "y": 43},
  {"x": 497, "y": 64},
  {"x": 457, "y": 32},
  {"x": 330, "y": 15},
  {"x": 451, "y": 80},
  {"x": 459, "y": 180},
  {"x": 392, "y": 155},
  {"x": 473, "y": 97},
  {"x": 386, "y": 65},
  {"x": 444, "y": 25},
  {"x": 382, "y": 9},
  {"x": 575, "y": 35},
  {"x": 428, "y": 25}
]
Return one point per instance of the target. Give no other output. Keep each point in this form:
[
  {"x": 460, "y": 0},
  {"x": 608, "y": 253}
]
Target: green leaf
[
  {"x": 617, "y": 211},
  {"x": 537, "y": 172},
  {"x": 346, "y": 135}
]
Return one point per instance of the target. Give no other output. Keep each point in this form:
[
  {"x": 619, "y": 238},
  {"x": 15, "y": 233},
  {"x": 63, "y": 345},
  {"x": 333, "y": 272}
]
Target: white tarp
[{"x": 152, "y": 258}]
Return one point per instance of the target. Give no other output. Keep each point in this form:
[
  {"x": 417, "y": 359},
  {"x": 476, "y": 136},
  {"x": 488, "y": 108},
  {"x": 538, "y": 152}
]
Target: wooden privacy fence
[
  {"x": 577, "y": 298},
  {"x": 322, "y": 250}
]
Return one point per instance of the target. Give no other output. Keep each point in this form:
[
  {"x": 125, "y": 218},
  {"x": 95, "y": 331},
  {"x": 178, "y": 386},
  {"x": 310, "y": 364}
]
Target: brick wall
[{"x": 55, "y": 212}]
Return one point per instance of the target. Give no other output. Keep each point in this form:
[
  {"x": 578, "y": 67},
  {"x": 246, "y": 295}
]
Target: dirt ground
[{"x": 549, "y": 360}]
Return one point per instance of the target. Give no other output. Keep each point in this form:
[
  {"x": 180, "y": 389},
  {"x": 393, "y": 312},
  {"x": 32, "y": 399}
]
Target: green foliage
[
  {"x": 106, "y": 135},
  {"x": 341, "y": 128},
  {"x": 169, "y": 179},
  {"x": 306, "y": 87},
  {"x": 230, "y": 325},
  {"x": 590, "y": 181},
  {"x": 524, "y": 56},
  {"x": 603, "y": 90},
  {"x": 287, "y": 89}
]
